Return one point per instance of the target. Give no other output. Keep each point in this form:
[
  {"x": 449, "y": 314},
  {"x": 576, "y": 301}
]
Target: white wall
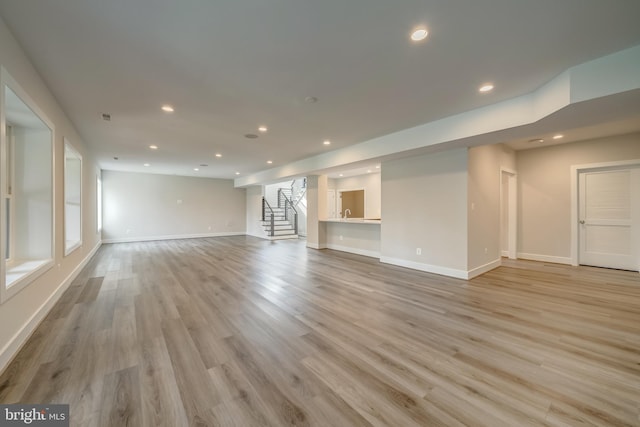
[
  {"x": 254, "y": 211},
  {"x": 424, "y": 205},
  {"x": 370, "y": 183},
  {"x": 21, "y": 313},
  {"x": 138, "y": 206},
  {"x": 357, "y": 238},
  {"x": 544, "y": 200},
  {"x": 484, "y": 245}
]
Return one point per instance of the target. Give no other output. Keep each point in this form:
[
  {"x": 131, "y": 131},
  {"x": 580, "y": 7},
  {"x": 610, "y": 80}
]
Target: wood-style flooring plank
[{"x": 238, "y": 331}]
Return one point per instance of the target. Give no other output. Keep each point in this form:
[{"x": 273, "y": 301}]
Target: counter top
[{"x": 353, "y": 220}]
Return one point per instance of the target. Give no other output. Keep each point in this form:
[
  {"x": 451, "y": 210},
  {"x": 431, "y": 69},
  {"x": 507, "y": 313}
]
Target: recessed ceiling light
[
  {"x": 558, "y": 136},
  {"x": 218, "y": 155},
  {"x": 536, "y": 141},
  {"x": 341, "y": 175},
  {"x": 237, "y": 173},
  {"x": 263, "y": 129},
  {"x": 369, "y": 171},
  {"x": 269, "y": 161},
  {"x": 378, "y": 167},
  {"x": 196, "y": 169},
  {"x": 153, "y": 147},
  {"x": 167, "y": 108},
  {"x": 327, "y": 142},
  {"x": 251, "y": 136},
  {"x": 487, "y": 87},
  {"x": 146, "y": 165},
  {"x": 419, "y": 34}
]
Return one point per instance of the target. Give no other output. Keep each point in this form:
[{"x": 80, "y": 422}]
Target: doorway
[
  {"x": 609, "y": 217},
  {"x": 508, "y": 213}
]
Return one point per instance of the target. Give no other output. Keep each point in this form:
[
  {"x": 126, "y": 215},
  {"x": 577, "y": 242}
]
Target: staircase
[{"x": 281, "y": 221}]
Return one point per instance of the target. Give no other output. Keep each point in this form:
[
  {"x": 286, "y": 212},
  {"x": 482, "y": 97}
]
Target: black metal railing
[
  {"x": 290, "y": 212},
  {"x": 270, "y": 215}
]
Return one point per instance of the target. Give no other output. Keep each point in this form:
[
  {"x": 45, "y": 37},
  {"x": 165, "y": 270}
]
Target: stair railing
[
  {"x": 270, "y": 215},
  {"x": 290, "y": 212},
  {"x": 298, "y": 190}
]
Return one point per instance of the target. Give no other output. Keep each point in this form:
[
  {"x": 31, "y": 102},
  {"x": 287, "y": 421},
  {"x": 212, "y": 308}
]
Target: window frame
[
  {"x": 69, "y": 249},
  {"x": 7, "y": 291}
]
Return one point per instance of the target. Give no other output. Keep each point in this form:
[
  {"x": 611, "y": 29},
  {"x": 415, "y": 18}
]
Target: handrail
[
  {"x": 265, "y": 205},
  {"x": 288, "y": 206}
]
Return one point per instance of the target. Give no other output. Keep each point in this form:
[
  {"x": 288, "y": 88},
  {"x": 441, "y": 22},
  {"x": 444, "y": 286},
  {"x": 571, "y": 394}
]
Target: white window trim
[
  {"x": 8, "y": 291},
  {"x": 78, "y": 244}
]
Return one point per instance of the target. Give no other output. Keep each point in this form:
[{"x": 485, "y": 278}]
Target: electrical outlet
[{"x": 418, "y": 251}]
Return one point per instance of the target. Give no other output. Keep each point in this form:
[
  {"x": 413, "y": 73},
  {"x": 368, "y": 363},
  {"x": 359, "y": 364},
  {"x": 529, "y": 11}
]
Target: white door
[
  {"x": 331, "y": 203},
  {"x": 609, "y": 217}
]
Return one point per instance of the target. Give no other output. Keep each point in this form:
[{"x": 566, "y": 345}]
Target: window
[
  {"x": 72, "y": 198},
  {"x": 26, "y": 149},
  {"x": 98, "y": 204}
]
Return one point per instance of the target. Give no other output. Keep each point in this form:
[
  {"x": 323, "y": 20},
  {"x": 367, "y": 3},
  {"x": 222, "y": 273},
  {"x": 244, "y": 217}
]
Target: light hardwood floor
[{"x": 244, "y": 332}]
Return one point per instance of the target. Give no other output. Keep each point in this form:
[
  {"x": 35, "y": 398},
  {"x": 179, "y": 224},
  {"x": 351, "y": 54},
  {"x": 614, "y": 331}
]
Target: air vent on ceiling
[
  {"x": 106, "y": 117},
  {"x": 251, "y": 136}
]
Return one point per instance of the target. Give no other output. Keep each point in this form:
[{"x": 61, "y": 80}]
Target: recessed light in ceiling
[
  {"x": 237, "y": 173},
  {"x": 263, "y": 129},
  {"x": 167, "y": 108},
  {"x": 369, "y": 171},
  {"x": 146, "y": 165},
  {"x": 558, "y": 136},
  {"x": 269, "y": 161},
  {"x": 251, "y": 136},
  {"x": 419, "y": 34},
  {"x": 196, "y": 169},
  {"x": 536, "y": 141},
  {"x": 153, "y": 147},
  {"x": 341, "y": 175},
  {"x": 218, "y": 155},
  {"x": 487, "y": 87},
  {"x": 378, "y": 167},
  {"x": 327, "y": 142}
]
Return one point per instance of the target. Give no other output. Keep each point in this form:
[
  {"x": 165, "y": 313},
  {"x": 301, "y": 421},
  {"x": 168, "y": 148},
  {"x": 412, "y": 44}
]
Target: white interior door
[
  {"x": 609, "y": 218},
  {"x": 331, "y": 203}
]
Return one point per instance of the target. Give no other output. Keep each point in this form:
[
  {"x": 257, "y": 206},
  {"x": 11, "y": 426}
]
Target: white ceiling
[{"x": 229, "y": 66}]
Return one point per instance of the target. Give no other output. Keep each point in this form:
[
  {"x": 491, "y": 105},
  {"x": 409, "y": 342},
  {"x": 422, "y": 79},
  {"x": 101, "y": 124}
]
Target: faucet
[{"x": 345, "y": 213}]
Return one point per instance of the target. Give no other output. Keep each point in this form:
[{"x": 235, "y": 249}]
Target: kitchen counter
[{"x": 354, "y": 220}]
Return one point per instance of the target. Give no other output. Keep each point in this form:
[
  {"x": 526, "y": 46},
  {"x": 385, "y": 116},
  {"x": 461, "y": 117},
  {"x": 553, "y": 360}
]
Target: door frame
[
  {"x": 575, "y": 172},
  {"x": 512, "y": 212}
]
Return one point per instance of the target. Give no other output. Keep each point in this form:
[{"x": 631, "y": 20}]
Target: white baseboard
[
  {"x": 475, "y": 272},
  {"x": 545, "y": 258},
  {"x": 174, "y": 237},
  {"x": 316, "y": 246},
  {"x": 20, "y": 338},
  {"x": 504, "y": 253},
  {"x": 443, "y": 271},
  {"x": 364, "y": 252}
]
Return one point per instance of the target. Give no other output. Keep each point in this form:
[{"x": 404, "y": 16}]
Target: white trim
[
  {"x": 545, "y": 258},
  {"x": 443, "y": 271},
  {"x": 504, "y": 254},
  {"x": 512, "y": 211},
  {"x": 575, "y": 171},
  {"x": 364, "y": 252},
  {"x": 14, "y": 345},
  {"x": 173, "y": 237},
  {"x": 475, "y": 272}
]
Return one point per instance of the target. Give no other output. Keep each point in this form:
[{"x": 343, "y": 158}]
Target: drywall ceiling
[{"x": 228, "y": 67}]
